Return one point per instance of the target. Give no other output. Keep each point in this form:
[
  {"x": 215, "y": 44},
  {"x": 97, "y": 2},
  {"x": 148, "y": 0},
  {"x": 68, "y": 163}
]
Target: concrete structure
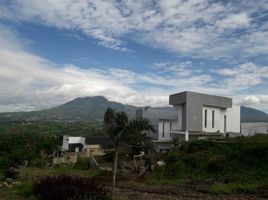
[
  {"x": 73, "y": 144},
  {"x": 254, "y": 128},
  {"x": 162, "y": 120},
  {"x": 86, "y": 145},
  {"x": 201, "y": 116}
]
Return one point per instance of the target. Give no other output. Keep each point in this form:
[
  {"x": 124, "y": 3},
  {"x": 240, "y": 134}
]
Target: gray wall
[
  {"x": 253, "y": 128},
  {"x": 193, "y": 107},
  {"x": 156, "y": 114}
]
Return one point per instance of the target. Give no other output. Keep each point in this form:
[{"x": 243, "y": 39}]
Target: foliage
[
  {"x": 15, "y": 148},
  {"x": 235, "y": 188},
  {"x": 234, "y": 163},
  {"x": 25, "y": 189},
  {"x": 65, "y": 187},
  {"x": 136, "y": 136},
  {"x": 82, "y": 163},
  {"x": 119, "y": 128}
]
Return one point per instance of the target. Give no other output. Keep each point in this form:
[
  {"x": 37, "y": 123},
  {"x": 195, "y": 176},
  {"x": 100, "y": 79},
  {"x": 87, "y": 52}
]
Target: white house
[
  {"x": 201, "y": 116},
  {"x": 193, "y": 116},
  {"x": 74, "y": 144}
]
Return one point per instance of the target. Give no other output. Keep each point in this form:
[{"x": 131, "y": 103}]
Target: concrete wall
[
  {"x": 155, "y": 115},
  {"x": 217, "y": 119},
  {"x": 164, "y": 128},
  {"x": 232, "y": 119},
  {"x": 253, "y": 128},
  {"x": 193, "y": 107}
]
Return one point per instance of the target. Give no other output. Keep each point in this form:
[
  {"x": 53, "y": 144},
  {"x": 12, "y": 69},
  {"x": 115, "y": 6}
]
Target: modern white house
[
  {"x": 202, "y": 116},
  {"x": 74, "y": 144},
  {"x": 193, "y": 116}
]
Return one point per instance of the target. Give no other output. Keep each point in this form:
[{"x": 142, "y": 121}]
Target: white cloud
[
  {"x": 242, "y": 77},
  {"x": 194, "y": 27},
  {"x": 29, "y": 82},
  {"x": 234, "y": 21},
  {"x": 255, "y": 100}
]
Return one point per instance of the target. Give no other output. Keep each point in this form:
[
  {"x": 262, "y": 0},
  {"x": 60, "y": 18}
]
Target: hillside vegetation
[{"x": 230, "y": 165}]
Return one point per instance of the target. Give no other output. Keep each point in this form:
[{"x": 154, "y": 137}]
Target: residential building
[
  {"x": 73, "y": 144},
  {"x": 202, "y": 116},
  {"x": 87, "y": 145}
]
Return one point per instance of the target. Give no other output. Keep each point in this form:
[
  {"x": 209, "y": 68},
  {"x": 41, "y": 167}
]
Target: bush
[
  {"x": 65, "y": 187},
  {"x": 82, "y": 163},
  {"x": 25, "y": 189},
  {"x": 10, "y": 173}
]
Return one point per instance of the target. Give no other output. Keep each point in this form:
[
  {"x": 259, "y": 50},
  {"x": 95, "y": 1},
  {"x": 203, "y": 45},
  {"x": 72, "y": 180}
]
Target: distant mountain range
[{"x": 93, "y": 108}]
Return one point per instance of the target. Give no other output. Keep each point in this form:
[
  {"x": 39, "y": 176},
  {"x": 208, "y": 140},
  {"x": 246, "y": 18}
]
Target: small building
[
  {"x": 86, "y": 145},
  {"x": 254, "y": 128},
  {"x": 201, "y": 116},
  {"x": 73, "y": 144}
]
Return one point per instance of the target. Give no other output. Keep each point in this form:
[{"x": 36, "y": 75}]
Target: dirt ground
[
  {"x": 176, "y": 193},
  {"x": 137, "y": 190}
]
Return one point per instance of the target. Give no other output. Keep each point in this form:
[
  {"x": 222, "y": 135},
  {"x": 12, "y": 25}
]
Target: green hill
[
  {"x": 79, "y": 109},
  {"x": 253, "y": 115}
]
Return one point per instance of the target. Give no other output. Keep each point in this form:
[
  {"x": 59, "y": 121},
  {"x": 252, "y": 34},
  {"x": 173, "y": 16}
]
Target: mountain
[
  {"x": 79, "y": 109},
  {"x": 93, "y": 108},
  {"x": 252, "y": 115}
]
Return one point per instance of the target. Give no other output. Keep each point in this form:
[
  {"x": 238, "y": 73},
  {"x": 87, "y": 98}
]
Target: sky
[{"x": 133, "y": 52}]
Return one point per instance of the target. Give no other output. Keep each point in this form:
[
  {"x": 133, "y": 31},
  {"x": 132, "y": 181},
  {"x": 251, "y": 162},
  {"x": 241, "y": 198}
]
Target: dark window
[
  {"x": 206, "y": 118},
  {"x": 163, "y": 130},
  {"x": 213, "y": 118}
]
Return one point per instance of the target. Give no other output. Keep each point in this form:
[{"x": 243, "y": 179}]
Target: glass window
[
  {"x": 213, "y": 118},
  {"x": 163, "y": 130},
  {"x": 205, "y": 118}
]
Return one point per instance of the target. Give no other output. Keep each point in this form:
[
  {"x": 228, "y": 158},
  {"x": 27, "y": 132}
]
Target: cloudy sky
[{"x": 134, "y": 52}]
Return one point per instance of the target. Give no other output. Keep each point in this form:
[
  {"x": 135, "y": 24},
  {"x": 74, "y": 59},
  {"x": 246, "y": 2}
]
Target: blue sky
[{"x": 132, "y": 52}]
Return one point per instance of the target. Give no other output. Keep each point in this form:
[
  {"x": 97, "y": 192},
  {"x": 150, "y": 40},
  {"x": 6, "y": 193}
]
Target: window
[
  {"x": 213, "y": 118},
  {"x": 163, "y": 130},
  {"x": 170, "y": 128},
  {"x": 205, "y": 118}
]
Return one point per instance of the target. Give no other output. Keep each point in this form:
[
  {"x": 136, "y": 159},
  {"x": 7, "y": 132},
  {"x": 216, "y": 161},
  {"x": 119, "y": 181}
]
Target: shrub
[
  {"x": 65, "y": 187},
  {"x": 10, "y": 173},
  {"x": 82, "y": 163},
  {"x": 25, "y": 189}
]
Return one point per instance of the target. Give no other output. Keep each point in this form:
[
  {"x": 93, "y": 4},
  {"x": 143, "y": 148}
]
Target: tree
[
  {"x": 119, "y": 128},
  {"x": 115, "y": 124},
  {"x": 136, "y": 135}
]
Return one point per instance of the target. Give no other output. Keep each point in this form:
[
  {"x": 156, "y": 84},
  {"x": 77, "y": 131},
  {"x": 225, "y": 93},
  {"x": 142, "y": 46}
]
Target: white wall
[
  {"x": 217, "y": 120},
  {"x": 253, "y": 128},
  {"x": 65, "y": 143},
  {"x": 166, "y": 124},
  {"x": 232, "y": 119}
]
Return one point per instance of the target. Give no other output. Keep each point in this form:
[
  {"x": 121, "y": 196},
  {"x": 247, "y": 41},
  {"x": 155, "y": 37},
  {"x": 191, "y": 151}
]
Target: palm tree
[{"x": 119, "y": 128}]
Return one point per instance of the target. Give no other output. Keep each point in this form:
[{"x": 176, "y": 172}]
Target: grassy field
[{"x": 232, "y": 165}]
